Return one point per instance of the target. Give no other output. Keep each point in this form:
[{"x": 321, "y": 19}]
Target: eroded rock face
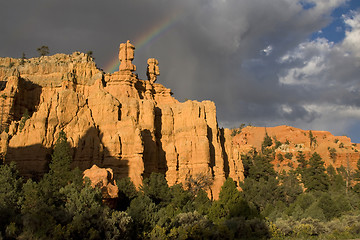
[
  {"x": 51, "y": 71},
  {"x": 152, "y": 69},
  {"x": 334, "y": 150},
  {"x": 115, "y": 121}
]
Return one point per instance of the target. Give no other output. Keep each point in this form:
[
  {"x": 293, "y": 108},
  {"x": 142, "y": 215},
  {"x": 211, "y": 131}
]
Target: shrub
[
  {"x": 288, "y": 155},
  {"x": 332, "y": 153},
  {"x": 312, "y": 139},
  {"x": 267, "y": 142},
  {"x": 280, "y": 157},
  {"x": 277, "y": 142},
  {"x": 25, "y": 117},
  {"x": 43, "y": 50}
]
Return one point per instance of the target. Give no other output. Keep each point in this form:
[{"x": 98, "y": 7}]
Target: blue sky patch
[
  {"x": 307, "y": 5},
  {"x": 335, "y": 31}
]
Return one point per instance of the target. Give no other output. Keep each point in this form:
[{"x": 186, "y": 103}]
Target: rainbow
[{"x": 146, "y": 38}]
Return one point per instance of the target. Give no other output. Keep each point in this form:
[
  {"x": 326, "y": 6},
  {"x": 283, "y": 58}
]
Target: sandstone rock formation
[
  {"x": 126, "y": 55},
  {"x": 115, "y": 121},
  {"x": 152, "y": 69},
  {"x": 334, "y": 150},
  {"x": 132, "y": 126},
  {"x": 103, "y": 179}
]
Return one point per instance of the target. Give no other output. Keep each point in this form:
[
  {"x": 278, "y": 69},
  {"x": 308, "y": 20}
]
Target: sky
[{"x": 263, "y": 62}]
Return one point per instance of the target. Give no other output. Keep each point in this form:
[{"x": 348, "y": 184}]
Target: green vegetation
[
  {"x": 288, "y": 155},
  {"x": 89, "y": 55},
  {"x": 332, "y": 153},
  {"x": 280, "y": 157},
  {"x": 24, "y": 117},
  {"x": 23, "y": 57},
  {"x": 267, "y": 142},
  {"x": 309, "y": 202},
  {"x": 313, "y": 141},
  {"x": 236, "y": 131},
  {"x": 277, "y": 143}
]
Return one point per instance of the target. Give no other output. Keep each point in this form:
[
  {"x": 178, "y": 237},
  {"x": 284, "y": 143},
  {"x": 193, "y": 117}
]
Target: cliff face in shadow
[
  {"x": 113, "y": 120},
  {"x": 33, "y": 160}
]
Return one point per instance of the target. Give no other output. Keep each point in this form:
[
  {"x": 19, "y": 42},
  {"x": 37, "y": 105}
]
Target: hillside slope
[{"x": 288, "y": 141}]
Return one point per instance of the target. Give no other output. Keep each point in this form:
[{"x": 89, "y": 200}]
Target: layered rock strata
[{"x": 115, "y": 121}]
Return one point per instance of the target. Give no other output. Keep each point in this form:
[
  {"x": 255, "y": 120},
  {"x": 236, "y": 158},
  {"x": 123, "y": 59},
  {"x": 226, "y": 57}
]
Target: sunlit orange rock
[
  {"x": 102, "y": 178},
  {"x": 118, "y": 121}
]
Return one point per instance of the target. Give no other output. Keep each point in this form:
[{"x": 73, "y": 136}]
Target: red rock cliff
[
  {"x": 130, "y": 125},
  {"x": 114, "y": 120},
  {"x": 334, "y": 150}
]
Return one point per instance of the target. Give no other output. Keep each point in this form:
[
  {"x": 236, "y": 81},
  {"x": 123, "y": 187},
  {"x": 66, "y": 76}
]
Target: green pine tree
[
  {"x": 262, "y": 167},
  {"x": 10, "y": 194},
  {"x": 356, "y": 177},
  {"x": 267, "y": 142},
  {"x": 302, "y": 166},
  {"x": 157, "y": 189},
  {"x": 291, "y": 186},
  {"x": 230, "y": 204},
  {"x": 316, "y": 177},
  {"x": 60, "y": 173}
]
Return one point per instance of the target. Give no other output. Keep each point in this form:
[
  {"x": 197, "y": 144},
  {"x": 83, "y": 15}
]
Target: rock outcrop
[
  {"x": 152, "y": 69},
  {"x": 103, "y": 178},
  {"x": 115, "y": 121},
  {"x": 288, "y": 141}
]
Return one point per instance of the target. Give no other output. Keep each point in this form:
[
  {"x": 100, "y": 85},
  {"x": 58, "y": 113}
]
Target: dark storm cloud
[
  {"x": 237, "y": 53},
  {"x": 67, "y": 26}
]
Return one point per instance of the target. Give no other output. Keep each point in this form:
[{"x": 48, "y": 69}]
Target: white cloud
[
  {"x": 267, "y": 51},
  {"x": 339, "y": 29},
  {"x": 286, "y": 109},
  {"x": 322, "y": 62},
  {"x": 334, "y": 118},
  {"x": 312, "y": 56},
  {"x": 330, "y": 74},
  {"x": 351, "y": 42}
]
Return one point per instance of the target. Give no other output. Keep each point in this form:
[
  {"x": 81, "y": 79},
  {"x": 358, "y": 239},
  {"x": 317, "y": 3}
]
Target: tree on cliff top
[
  {"x": 267, "y": 142},
  {"x": 43, "y": 50}
]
